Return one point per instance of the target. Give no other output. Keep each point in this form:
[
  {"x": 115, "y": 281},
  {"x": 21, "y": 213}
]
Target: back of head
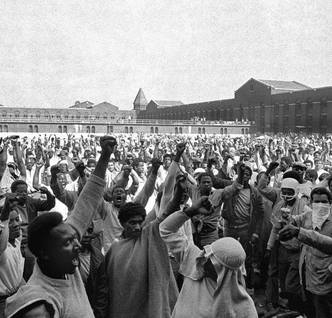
[
  {"x": 292, "y": 175},
  {"x": 15, "y": 184},
  {"x": 39, "y": 231},
  {"x": 229, "y": 252},
  {"x": 129, "y": 210}
]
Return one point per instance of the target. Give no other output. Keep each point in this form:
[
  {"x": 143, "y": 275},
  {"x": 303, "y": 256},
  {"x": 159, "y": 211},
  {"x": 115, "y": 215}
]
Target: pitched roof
[
  {"x": 282, "y": 86},
  {"x": 140, "y": 98},
  {"x": 106, "y": 106},
  {"x": 167, "y": 103},
  {"x": 79, "y": 104}
]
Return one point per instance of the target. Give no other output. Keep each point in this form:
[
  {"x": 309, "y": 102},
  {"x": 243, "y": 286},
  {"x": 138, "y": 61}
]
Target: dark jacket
[{"x": 256, "y": 212}]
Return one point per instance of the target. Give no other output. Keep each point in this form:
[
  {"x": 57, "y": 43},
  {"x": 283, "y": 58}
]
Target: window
[
  {"x": 46, "y": 115},
  {"x": 251, "y": 87},
  {"x": 59, "y": 129},
  {"x": 180, "y": 130},
  {"x": 203, "y": 130},
  {"x": 200, "y": 131},
  {"x": 4, "y": 114},
  {"x": 225, "y": 131},
  {"x": 176, "y": 130},
  {"x": 25, "y": 115},
  {"x": 131, "y": 130},
  {"x": 109, "y": 129},
  {"x": 93, "y": 129},
  {"x": 17, "y": 114},
  {"x": 126, "y": 130},
  {"x": 30, "y": 129},
  {"x": 65, "y": 129},
  {"x": 58, "y": 116},
  {"x": 151, "y": 130},
  {"x": 105, "y": 116},
  {"x": 242, "y": 131},
  {"x": 156, "y": 130},
  {"x": 36, "y": 128},
  {"x": 38, "y": 115},
  {"x": 66, "y": 116},
  {"x": 221, "y": 131},
  {"x": 87, "y": 130},
  {"x": 97, "y": 116},
  {"x": 5, "y": 128},
  {"x": 0, "y": 128}
]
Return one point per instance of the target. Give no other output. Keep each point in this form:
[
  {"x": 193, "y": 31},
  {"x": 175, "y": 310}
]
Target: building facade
[{"x": 274, "y": 106}]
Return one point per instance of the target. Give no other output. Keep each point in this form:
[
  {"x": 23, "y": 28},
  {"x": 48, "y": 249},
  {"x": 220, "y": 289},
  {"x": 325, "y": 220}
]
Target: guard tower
[{"x": 140, "y": 101}]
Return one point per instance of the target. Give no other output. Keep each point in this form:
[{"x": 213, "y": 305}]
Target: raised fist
[
  {"x": 107, "y": 144},
  {"x": 180, "y": 148},
  {"x": 203, "y": 206},
  {"x": 272, "y": 166}
]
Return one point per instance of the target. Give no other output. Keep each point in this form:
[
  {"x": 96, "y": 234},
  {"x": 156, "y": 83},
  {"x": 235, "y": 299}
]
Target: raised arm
[
  {"x": 169, "y": 183},
  {"x": 93, "y": 191},
  {"x": 148, "y": 187},
  {"x": 170, "y": 232},
  {"x": 19, "y": 158},
  {"x": 3, "y": 159},
  {"x": 266, "y": 191}
]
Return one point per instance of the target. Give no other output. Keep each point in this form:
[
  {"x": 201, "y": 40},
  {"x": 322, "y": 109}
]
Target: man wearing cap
[
  {"x": 213, "y": 280},
  {"x": 285, "y": 255}
]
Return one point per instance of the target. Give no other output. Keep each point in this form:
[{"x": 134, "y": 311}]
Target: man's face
[
  {"x": 205, "y": 185},
  {"x": 111, "y": 166},
  {"x": 62, "y": 180},
  {"x": 63, "y": 167},
  {"x": 283, "y": 166},
  {"x": 308, "y": 165},
  {"x": 63, "y": 155},
  {"x": 319, "y": 164},
  {"x": 119, "y": 197},
  {"x": 288, "y": 194},
  {"x": 30, "y": 162},
  {"x": 63, "y": 255},
  {"x": 320, "y": 198},
  {"x": 246, "y": 176},
  {"x": 167, "y": 162},
  {"x": 22, "y": 190},
  {"x": 130, "y": 159},
  {"x": 133, "y": 227},
  {"x": 299, "y": 170},
  {"x": 14, "y": 225},
  {"x": 140, "y": 167}
]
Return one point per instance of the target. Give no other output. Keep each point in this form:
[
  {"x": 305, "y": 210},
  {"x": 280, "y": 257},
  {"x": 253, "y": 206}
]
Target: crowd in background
[{"x": 148, "y": 225}]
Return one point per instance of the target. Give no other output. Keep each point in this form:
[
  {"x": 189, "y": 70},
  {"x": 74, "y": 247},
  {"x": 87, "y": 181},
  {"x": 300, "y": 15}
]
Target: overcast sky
[{"x": 56, "y": 52}]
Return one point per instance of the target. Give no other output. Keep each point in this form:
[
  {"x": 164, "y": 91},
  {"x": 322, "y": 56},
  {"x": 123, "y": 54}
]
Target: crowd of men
[{"x": 159, "y": 226}]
